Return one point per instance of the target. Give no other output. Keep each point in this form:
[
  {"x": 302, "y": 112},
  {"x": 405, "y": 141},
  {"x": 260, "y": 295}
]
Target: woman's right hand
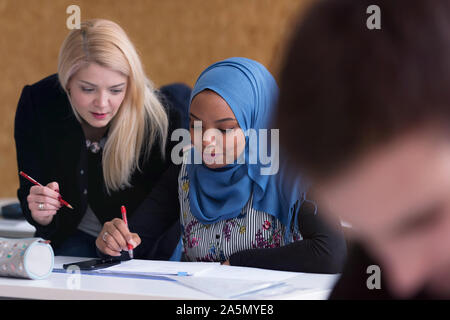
[
  {"x": 43, "y": 202},
  {"x": 114, "y": 238}
]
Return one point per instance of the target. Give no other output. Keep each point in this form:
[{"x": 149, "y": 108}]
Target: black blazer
[{"x": 50, "y": 146}]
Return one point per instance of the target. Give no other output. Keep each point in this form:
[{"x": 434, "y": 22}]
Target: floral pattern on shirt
[{"x": 251, "y": 229}]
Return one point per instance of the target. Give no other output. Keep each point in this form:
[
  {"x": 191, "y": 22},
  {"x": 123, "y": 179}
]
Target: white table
[
  {"x": 76, "y": 286},
  {"x": 10, "y": 228}
]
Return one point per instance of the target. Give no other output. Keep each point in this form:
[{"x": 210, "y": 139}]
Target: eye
[
  {"x": 86, "y": 89},
  {"x": 227, "y": 129},
  {"x": 116, "y": 91}
]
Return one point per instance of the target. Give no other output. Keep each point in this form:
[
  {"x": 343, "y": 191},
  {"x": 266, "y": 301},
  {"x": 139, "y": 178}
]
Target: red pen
[
  {"x": 124, "y": 218},
  {"x": 63, "y": 202}
]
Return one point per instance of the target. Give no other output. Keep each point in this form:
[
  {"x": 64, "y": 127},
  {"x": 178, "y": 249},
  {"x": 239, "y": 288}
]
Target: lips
[
  {"x": 211, "y": 157},
  {"x": 99, "y": 116}
]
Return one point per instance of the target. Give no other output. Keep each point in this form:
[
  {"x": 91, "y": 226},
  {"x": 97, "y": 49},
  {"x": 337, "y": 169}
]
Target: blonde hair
[{"x": 141, "y": 119}]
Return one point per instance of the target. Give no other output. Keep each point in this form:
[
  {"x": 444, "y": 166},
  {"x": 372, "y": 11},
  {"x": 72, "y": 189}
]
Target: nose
[
  {"x": 406, "y": 273},
  {"x": 102, "y": 99},
  {"x": 208, "y": 140},
  {"x": 211, "y": 138}
]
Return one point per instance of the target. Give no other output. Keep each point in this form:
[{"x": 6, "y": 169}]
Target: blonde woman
[{"x": 96, "y": 133}]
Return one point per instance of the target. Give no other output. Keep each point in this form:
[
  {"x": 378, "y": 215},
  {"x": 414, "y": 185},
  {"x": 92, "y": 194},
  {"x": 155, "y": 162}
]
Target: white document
[
  {"x": 314, "y": 281},
  {"x": 223, "y": 282},
  {"x": 157, "y": 267},
  {"x": 143, "y": 267},
  {"x": 246, "y": 273},
  {"x": 230, "y": 282},
  {"x": 226, "y": 288}
]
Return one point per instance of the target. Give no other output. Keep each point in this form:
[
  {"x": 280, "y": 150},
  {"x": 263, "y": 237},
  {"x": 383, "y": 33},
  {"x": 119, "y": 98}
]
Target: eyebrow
[
  {"x": 217, "y": 121},
  {"x": 94, "y": 85},
  {"x": 418, "y": 220}
]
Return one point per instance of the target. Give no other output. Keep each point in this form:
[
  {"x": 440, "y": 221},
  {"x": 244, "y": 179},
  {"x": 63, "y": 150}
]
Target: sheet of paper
[
  {"x": 245, "y": 273},
  {"x": 314, "y": 280},
  {"x": 229, "y": 282},
  {"x": 159, "y": 267},
  {"x": 312, "y": 285},
  {"x": 223, "y": 282},
  {"x": 226, "y": 288}
]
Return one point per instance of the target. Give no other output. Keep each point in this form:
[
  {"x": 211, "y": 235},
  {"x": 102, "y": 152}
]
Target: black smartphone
[{"x": 93, "y": 264}]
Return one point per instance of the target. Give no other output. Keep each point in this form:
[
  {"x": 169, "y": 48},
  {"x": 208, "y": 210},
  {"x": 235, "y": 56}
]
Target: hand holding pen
[
  {"x": 116, "y": 237},
  {"x": 44, "y": 201}
]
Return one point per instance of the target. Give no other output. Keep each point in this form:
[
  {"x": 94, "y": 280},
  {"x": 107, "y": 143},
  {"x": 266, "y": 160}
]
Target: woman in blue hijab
[{"x": 239, "y": 203}]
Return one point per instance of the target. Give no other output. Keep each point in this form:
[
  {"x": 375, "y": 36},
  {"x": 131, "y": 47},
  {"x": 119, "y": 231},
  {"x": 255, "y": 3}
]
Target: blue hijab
[{"x": 219, "y": 194}]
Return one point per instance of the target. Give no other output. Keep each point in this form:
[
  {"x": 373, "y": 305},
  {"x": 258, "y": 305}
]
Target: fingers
[
  {"x": 47, "y": 202},
  {"x": 103, "y": 247},
  {"x": 42, "y": 209},
  {"x": 44, "y": 191},
  {"x": 54, "y": 186},
  {"x": 106, "y": 243},
  {"x": 119, "y": 231},
  {"x": 125, "y": 232},
  {"x": 115, "y": 237},
  {"x": 135, "y": 240},
  {"x": 42, "y": 200},
  {"x": 126, "y": 237}
]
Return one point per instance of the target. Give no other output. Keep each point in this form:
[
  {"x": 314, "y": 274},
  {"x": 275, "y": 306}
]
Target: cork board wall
[{"x": 176, "y": 39}]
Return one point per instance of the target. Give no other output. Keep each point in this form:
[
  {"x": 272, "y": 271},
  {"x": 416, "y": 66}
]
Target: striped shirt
[{"x": 251, "y": 229}]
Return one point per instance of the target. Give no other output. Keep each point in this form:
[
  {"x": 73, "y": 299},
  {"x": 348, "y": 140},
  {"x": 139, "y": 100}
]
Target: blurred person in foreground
[{"x": 366, "y": 115}]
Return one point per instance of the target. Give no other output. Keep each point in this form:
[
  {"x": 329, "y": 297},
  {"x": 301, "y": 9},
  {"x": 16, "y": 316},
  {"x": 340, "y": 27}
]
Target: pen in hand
[
  {"x": 63, "y": 202},
  {"x": 124, "y": 218}
]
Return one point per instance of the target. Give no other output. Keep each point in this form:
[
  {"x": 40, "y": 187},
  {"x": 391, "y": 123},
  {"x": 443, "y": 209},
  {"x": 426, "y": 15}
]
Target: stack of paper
[{"x": 224, "y": 282}]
